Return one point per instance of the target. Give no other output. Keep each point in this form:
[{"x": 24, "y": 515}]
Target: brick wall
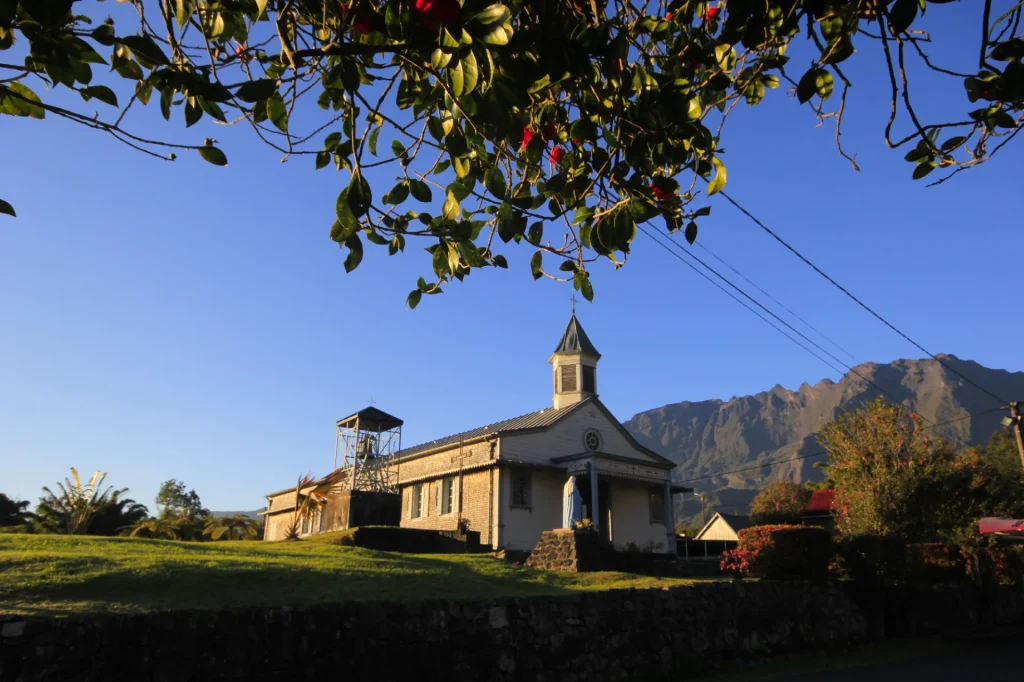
[{"x": 474, "y": 495}]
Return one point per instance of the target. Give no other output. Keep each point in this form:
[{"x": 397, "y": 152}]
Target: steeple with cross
[{"x": 574, "y": 364}]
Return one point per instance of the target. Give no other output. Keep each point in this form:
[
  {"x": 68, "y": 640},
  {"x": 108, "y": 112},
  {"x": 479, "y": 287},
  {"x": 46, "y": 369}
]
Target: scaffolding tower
[{"x": 368, "y": 442}]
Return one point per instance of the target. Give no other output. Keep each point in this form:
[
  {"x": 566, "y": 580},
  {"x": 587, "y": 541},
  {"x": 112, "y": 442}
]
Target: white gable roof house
[{"x": 507, "y": 480}]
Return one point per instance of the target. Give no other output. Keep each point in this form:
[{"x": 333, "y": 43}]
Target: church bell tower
[{"x": 574, "y": 363}]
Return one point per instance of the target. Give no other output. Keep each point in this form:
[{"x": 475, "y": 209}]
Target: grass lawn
[{"x": 59, "y": 575}]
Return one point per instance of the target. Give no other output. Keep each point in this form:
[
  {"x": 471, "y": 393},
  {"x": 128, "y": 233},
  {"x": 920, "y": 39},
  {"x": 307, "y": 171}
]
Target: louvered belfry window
[
  {"x": 568, "y": 378},
  {"x": 588, "y": 379}
]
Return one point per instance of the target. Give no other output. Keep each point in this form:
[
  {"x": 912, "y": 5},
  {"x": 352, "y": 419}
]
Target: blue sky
[{"x": 176, "y": 320}]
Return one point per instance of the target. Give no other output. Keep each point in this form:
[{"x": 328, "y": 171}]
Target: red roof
[
  {"x": 820, "y": 502},
  {"x": 991, "y": 525}
]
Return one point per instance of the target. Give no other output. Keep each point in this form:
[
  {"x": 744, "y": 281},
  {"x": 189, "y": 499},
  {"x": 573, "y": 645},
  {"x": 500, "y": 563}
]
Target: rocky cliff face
[{"x": 713, "y": 436}]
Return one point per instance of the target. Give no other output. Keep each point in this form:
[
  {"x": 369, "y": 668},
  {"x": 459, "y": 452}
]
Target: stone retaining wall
[{"x": 615, "y": 635}]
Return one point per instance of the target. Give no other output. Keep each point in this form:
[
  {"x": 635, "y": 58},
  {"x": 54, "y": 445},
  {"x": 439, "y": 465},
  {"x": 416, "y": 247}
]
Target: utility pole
[
  {"x": 1014, "y": 421},
  {"x": 703, "y": 514}
]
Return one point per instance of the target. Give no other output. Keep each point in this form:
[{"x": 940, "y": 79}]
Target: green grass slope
[{"x": 56, "y": 575}]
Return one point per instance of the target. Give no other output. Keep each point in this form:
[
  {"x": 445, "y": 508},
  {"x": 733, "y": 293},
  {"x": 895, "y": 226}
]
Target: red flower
[
  {"x": 556, "y": 155},
  {"x": 550, "y": 132},
  {"x": 669, "y": 16},
  {"x": 575, "y": 141},
  {"x": 362, "y": 24},
  {"x": 662, "y": 194},
  {"x": 711, "y": 13},
  {"x": 988, "y": 94},
  {"x": 527, "y": 136},
  {"x": 434, "y": 12}
]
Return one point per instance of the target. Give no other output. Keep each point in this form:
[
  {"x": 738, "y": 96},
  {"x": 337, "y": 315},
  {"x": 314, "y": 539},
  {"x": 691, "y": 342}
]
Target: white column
[
  {"x": 595, "y": 511},
  {"x": 670, "y": 519}
]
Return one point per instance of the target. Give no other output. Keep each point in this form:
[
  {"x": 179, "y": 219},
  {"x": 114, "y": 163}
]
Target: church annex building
[{"x": 505, "y": 480}]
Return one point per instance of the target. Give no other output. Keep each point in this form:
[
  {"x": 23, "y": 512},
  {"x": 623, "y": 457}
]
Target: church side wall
[
  {"x": 523, "y": 526},
  {"x": 631, "y": 517},
  {"x": 475, "y": 496},
  {"x": 277, "y": 524}
]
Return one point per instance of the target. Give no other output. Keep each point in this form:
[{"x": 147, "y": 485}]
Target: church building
[{"x": 506, "y": 480}]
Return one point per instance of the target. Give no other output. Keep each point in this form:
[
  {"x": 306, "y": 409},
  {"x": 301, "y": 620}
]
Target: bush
[
  {"x": 874, "y": 559},
  {"x": 781, "y": 553},
  {"x": 779, "y": 503}
]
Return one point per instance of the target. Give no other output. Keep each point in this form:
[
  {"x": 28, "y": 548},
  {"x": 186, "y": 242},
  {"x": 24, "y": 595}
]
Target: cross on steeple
[
  {"x": 371, "y": 401},
  {"x": 573, "y": 299}
]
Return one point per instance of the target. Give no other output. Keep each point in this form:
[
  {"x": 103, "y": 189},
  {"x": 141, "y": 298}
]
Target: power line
[
  {"x": 733, "y": 297},
  {"x": 775, "y": 300},
  {"x": 680, "y": 248},
  {"x": 858, "y": 301},
  {"x": 825, "y": 452}
]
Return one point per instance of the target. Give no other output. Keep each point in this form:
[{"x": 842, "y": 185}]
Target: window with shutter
[
  {"x": 568, "y": 378},
  {"x": 657, "y": 498},
  {"x": 448, "y": 495},
  {"x": 521, "y": 489}
]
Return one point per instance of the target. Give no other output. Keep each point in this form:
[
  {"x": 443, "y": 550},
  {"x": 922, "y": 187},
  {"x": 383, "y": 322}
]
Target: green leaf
[
  {"x": 397, "y": 148},
  {"x": 498, "y": 35},
  {"x": 24, "y": 102},
  {"x": 372, "y": 142},
  {"x": 450, "y": 210},
  {"x": 499, "y": 261},
  {"x": 261, "y": 7},
  {"x": 456, "y": 79},
  {"x": 192, "y": 114},
  {"x": 582, "y": 215},
  {"x": 625, "y": 229},
  {"x": 462, "y": 166},
  {"x": 808, "y": 85},
  {"x": 495, "y": 13},
  {"x": 435, "y": 128},
  {"x": 100, "y": 92},
  {"x": 145, "y": 50},
  {"x": 7, "y": 209},
  {"x": 213, "y": 155},
  {"x": 535, "y": 234},
  {"x": 694, "y": 108},
  {"x": 360, "y": 196},
  {"x": 102, "y": 34},
  {"x": 902, "y": 15},
  {"x": 183, "y": 10},
  {"x": 278, "y": 112},
  {"x": 414, "y": 299},
  {"x": 398, "y": 194},
  {"x": 355, "y": 252},
  {"x": 581, "y": 281},
  {"x": 691, "y": 232},
  {"x": 420, "y": 191},
  {"x": 536, "y": 265},
  {"x": 717, "y": 183},
  {"x": 470, "y": 72},
  {"x": 323, "y": 158},
  {"x": 494, "y": 181},
  {"x": 257, "y": 90},
  {"x": 923, "y": 169},
  {"x": 953, "y": 142}
]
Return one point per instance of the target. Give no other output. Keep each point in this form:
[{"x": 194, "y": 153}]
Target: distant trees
[
  {"x": 173, "y": 501},
  {"x": 237, "y": 527},
  {"x": 779, "y": 502},
  {"x": 895, "y": 486},
  {"x": 115, "y": 517},
  {"x": 13, "y": 512},
  {"x": 76, "y": 505},
  {"x": 154, "y": 528}
]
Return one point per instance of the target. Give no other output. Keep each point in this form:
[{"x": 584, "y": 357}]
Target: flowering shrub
[
  {"x": 583, "y": 524},
  {"x": 780, "y": 553}
]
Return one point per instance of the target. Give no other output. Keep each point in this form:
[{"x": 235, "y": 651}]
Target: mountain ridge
[{"x": 708, "y": 437}]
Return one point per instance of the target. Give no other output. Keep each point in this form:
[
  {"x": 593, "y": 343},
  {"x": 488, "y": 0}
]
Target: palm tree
[
  {"x": 13, "y": 512},
  {"x": 153, "y": 527},
  {"x": 126, "y": 512},
  {"x": 73, "y": 510},
  {"x": 310, "y": 496},
  {"x": 234, "y": 527}
]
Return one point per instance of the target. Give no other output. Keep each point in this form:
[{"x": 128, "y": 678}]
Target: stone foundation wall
[
  {"x": 616, "y": 635},
  {"x": 567, "y": 550}
]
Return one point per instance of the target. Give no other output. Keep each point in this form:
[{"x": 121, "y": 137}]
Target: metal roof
[
  {"x": 533, "y": 420},
  {"x": 575, "y": 340},
  {"x": 371, "y": 419}
]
